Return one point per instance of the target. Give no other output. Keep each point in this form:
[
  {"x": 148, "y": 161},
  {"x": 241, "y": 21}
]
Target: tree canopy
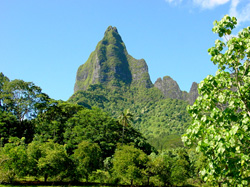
[{"x": 221, "y": 114}]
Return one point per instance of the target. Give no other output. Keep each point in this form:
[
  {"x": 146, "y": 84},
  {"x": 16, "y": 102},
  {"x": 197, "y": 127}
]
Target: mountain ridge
[
  {"x": 111, "y": 65},
  {"x": 114, "y": 81},
  {"x": 170, "y": 88}
]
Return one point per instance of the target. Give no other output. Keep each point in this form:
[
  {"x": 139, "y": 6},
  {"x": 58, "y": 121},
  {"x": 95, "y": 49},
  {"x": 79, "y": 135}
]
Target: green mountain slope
[
  {"x": 111, "y": 65},
  {"x": 161, "y": 120},
  {"x": 113, "y": 80}
]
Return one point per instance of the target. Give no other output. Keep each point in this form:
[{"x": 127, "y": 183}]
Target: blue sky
[{"x": 46, "y": 41}]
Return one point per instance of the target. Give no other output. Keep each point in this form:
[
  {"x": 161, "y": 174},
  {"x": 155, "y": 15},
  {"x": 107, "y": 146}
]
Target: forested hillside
[
  {"x": 161, "y": 120},
  {"x": 113, "y": 80},
  {"x": 40, "y": 136},
  {"x": 47, "y": 140}
]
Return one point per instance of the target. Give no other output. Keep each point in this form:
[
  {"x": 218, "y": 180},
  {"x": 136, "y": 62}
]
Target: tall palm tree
[{"x": 124, "y": 119}]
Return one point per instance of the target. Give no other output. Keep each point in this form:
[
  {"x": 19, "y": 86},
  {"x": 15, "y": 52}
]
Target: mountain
[
  {"x": 193, "y": 93},
  {"x": 171, "y": 89},
  {"x": 111, "y": 65},
  {"x": 113, "y": 80}
]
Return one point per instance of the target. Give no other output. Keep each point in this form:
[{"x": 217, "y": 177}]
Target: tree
[
  {"x": 20, "y": 102},
  {"x": 129, "y": 163},
  {"x": 181, "y": 167},
  {"x": 221, "y": 114},
  {"x": 93, "y": 125},
  {"x": 160, "y": 166},
  {"x": 34, "y": 153},
  {"x": 3, "y": 80},
  {"x": 53, "y": 161},
  {"x": 198, "y": 162},
  {"x": 51, "y": 123},
  {"x": 13, "y": 160},
  {"x": 9, "y": 127},
  {"x": 23, "y": 99},
  {"x": 87, "y": 157},
  {"x": 98, "y": 127},
  {"x": 124, "y": 119}
]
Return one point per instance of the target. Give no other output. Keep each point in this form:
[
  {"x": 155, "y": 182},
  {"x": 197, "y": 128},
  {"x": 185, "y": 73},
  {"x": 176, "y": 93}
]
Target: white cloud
[
  {"x": 208, "y": 4},
  {"x": 242, "y": 14},
  {"x": 175, "y": 2},
  {"x": 238, "y": 8}
]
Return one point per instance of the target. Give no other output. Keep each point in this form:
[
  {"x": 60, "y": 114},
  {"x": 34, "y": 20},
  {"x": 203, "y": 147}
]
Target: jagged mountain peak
[
  {"x": 111, "y": 65},
  {"x": 111, "y": 29},
  {"x": 171, "y": 89},
  {"x": 193, "y": 93},
  {"x": 111, "y": 36}
]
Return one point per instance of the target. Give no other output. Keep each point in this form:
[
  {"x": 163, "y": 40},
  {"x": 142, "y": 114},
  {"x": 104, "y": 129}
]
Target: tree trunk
[
  {"x": 45, "y": 177},
  {"x": 87, "y": 178},
  {"x": 122, "y": 134}
]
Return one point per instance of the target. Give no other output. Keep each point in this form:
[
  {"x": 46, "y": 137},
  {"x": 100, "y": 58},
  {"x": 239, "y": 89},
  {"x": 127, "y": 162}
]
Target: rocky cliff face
[
  {"x": 111, "y": 65},
  {"x": 171, "y": 89},
  {"x": 193, "y": 93}
]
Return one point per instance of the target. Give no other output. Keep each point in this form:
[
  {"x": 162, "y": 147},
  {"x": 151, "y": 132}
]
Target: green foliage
[
  {"x": 9, "y": 126},
  {"x": 160, "y": 166},
  {"x": 170, "y": 167},
  {"x": 221, "y": 114},
  {"x": 101, "y": 176},
  {"x": 53, "y": 160},
  {"x": 129, "y": 163},
  {"x": 51, "y": 123},
  {"x": 180, "y": 168},
  {"x": 124, "y": 119},
  {"x": 107, "y": 65},
  {"x": 6, "y": 175},
  {"x": 70, "y": 141},
  {"x": 3, "y": 80},
  {"x": 161, "y": 120},
  {"x": 87, "y": 157},
  {"x": 34, "y": 153},
  {"x": 98, "y": 127},
  {"x": 13, "y": 160},
  {"x": 198, "y": 162},
  {"x": 23, "y": 99},
  {"x": 20, "y": 103}
]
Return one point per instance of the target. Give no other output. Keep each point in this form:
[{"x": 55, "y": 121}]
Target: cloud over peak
[{"x": 238, "y": 8}]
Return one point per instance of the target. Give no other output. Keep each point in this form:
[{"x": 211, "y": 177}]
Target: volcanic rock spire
[{"x": 111, "y": 65}]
